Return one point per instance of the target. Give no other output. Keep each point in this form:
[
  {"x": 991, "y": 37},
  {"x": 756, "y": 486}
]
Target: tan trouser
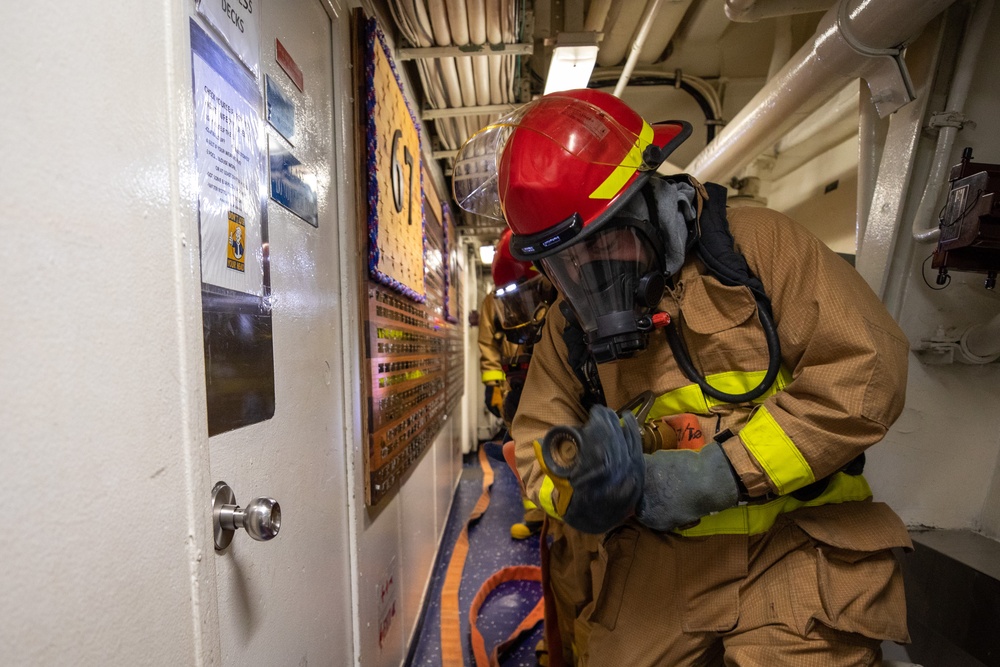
[
  {"x": 532, "y": 514},
  {"x": 570, "y": 560},
  {"x": 821, "y": 588}
]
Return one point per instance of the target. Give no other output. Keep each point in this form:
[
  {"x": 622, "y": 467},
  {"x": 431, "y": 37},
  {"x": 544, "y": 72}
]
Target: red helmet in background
[
  {"x": 559, "y": 166},
  {"x": 522, "y": 295},
  {"x": 506, "y": 269}
]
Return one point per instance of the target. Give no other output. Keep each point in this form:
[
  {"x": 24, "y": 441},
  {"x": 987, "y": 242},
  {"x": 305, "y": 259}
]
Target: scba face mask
[
  {"x": 522, "y": 307},
  {"x": 612, "y": 280}
]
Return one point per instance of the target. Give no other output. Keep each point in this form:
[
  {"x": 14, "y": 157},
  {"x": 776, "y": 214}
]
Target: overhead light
[
  {"x": 486, "y": 253},
  {"x": 573, "y": 60}
]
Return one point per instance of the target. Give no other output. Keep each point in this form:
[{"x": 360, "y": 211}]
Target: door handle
[{"x": 261, "y": 518}]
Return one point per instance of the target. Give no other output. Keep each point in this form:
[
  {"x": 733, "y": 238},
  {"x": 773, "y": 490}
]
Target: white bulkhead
[{"x": 107, "y": 460}]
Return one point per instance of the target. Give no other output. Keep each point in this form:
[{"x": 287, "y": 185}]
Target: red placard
[{"x": 291, "y": 69}]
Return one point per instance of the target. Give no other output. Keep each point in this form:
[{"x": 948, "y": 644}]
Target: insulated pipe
[
  {"x": 652, "y": 6},
  {"x": 476, "y": 11},
  {"x": 840, "y": 110},
  {"x": 494, "y": 33},
  {"x": 439, "y": 22},
  {"x": 597, "y": 15},
  {"x": 458, "y": 21},
  {"x": 782, "y": 50},
  {"x": 750, "y": 11},
  {"x": 868, "y": 160},
  {"x": 812, "y": 76},
  {"x": 965, "y": 68},
  {"x": 478, "y": 19}
]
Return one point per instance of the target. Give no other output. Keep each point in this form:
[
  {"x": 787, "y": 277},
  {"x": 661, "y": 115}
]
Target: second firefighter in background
[{"x": 510, "y": 322}]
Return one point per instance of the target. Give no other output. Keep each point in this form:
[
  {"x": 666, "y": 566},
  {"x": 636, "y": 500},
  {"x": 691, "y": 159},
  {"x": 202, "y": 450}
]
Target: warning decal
[{"x": 237, "y": 233}]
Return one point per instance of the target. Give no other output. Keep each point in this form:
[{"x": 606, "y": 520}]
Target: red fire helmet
[
  {"x": 559, "y": 166},
  {"x": 506, "y": 269}
]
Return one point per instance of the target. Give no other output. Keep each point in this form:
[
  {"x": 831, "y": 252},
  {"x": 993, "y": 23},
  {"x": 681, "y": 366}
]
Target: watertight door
[{"x": 286, "y": 601}]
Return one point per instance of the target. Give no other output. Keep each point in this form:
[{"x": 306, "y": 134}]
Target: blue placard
[
  {"x": 280, "y": 110},
  {"x": 292, "y": 184}
]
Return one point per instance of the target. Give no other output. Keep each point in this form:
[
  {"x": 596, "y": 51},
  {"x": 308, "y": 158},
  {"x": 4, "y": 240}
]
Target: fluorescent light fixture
[
  {"x": 572, "y": 62},
  {"x": 486, "y": 253}
]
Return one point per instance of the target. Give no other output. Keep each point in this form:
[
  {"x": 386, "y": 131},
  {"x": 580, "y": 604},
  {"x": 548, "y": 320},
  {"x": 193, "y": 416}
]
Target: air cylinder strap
[
  {"x": 512, "y": 573},
  {"x": 451, "y": 631}
]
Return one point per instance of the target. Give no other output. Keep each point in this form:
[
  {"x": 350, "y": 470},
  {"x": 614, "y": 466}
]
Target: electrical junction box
[{"x": 970, "y": 226}]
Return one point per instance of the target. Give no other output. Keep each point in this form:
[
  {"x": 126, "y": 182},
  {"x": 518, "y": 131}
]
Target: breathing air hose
[
  {"x": 732, "y": 276},
  {"x": 773, "y": 365}
]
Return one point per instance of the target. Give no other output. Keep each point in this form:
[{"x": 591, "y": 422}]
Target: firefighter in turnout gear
[
  {"x": 757, "y": 542},
  {"x": 522, "y": 297},
  {"x": 511, "y": 320}
]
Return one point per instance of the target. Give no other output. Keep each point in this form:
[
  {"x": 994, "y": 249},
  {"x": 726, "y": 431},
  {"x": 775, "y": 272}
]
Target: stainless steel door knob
[{"x": 261, "y": 518}]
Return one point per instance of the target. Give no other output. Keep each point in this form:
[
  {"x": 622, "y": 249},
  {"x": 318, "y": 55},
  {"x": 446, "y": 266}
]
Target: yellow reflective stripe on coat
[
  {"x": 692, "y": 399},
  {"x": 619, "y": 176},
  {"x": 494, "y": 376},
  {"x": 545, "y": 498},
  {"x": 776, "y": 453},
  {"x": 527, "y": 504},
  {"x": 550, "y": 483},
  {"x": 755, "y": 519}
]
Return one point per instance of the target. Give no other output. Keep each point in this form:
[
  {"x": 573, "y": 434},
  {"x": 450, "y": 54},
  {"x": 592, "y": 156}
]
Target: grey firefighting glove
[
  {"x": 597, "y": 468},
  {"x": 683, "y": 485}
]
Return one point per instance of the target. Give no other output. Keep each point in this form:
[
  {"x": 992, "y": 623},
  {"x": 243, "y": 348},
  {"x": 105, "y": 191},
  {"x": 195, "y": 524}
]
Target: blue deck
[{"x": 490, "y": 548}]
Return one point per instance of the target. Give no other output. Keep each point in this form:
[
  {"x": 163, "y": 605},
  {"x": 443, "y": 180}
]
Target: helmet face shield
[
  {"x": 610, "y": 280},
  {"x": 554, "y": 139},
  {"x": 521, "y": 308}
]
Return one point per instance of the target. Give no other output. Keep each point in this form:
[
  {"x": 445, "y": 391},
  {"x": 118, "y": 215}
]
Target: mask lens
[
  {"x": 599, "y": 276},
  {"x": 522, "y": 308}
]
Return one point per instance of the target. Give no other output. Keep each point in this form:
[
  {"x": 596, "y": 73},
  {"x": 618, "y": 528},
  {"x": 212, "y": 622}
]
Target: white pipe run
[
  {"x": 868, "y": 159},
  {"x": 843, "y": 106},
  {"x": 965, "y": 68},
  {"x": 782, "y": 50},
  {"x": 749, "y": 11},
  {"x": 817, "y": 71},
  {"x": 652, "y": 6},
  {"x": 597, "y": 14}
]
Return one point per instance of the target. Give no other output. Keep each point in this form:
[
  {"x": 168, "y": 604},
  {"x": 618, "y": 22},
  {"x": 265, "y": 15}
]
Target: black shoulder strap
[
  {"x": 580, "y": 359},
  {"x": 717, "y": 248}
]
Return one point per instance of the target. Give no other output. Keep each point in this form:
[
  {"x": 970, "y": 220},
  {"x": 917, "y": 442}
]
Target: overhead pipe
[
  {"x": 597, "y": 15},
  {"x": 815, "y": 73},
  {"x": 642, "y": 32},
  {"x": 925, "y": 228},
  {"x": 782, "y": 50},
  {"x": 840, "y": 110},
  {"x": 623, "y": 25},
  {"x": 869, "y": 157},
  {"x": 750, "y": 11}
]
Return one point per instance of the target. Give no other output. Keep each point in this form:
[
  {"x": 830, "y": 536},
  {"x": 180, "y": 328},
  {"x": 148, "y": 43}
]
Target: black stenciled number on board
[{"x": 396, "y": 174}]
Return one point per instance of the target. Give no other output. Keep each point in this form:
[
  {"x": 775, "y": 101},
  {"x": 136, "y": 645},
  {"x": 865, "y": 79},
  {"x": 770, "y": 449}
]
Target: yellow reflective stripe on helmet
[
  {"x": 494, "y": 376},
  {"x": 776, "y": 453},
  {"x": 692, "y": 399},
  {"x": 755, "y": 519},
  {"x": 615, "y": 181}
]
